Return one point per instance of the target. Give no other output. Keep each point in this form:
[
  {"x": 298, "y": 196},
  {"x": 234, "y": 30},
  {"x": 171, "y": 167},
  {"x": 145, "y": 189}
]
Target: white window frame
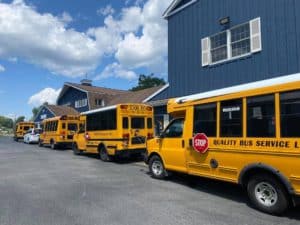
[
  {"x": 81, "y": 103},
  {"x": 101, "y": 101},
  {"x": 252, "y": 35}
]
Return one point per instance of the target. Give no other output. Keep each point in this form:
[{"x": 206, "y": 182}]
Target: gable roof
[
  {"x": 60, "y": 110},
  {"x": 176, "y": 6},
  {"x": 137, "y": 96},
  {"x": 100, "y": 90},
  {"x": 92, "y": 92},
  {"x": 57, "y": 110}
]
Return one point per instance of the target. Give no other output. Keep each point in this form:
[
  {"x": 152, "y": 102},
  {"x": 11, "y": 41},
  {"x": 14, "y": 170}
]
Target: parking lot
[{"x": 42, "y": 186}]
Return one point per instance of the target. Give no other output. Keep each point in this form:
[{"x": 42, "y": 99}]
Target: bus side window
[
  {"x": 149, "y": 123},
  {"x": 261, "y": 116},
  {"x": 231, "y": 118},
  {"x": 175, "y": 129},
  {"x": 205, "y": 119},
  {"x": 125, "y": 123},
  {"x": 290, "y": 114}
]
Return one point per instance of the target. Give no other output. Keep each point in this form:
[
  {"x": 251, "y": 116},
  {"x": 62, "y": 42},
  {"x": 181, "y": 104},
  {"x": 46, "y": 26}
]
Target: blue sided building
[{"x": 215, "y": 44}]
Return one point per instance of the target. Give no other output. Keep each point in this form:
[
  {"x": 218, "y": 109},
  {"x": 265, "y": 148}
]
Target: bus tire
[
  {"x": 267, "y": 194},
  {"x": 157, "y": 168},
  {"x": 53, "y": 146},
  {"x": 104, "y": 155},
  {"x": 75, "y": 149},
  {"x": 41, "y": 143}
]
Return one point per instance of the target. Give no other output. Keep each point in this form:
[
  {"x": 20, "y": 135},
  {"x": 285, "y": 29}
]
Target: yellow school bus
[
  {"x": 119, "y": 130},
  {"x": 58, "y": 131},
  {"x": 21, "y": 128},
  {"x": 247, "y": 134}
]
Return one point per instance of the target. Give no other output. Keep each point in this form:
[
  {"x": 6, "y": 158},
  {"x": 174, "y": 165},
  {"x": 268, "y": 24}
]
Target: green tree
[
  {"x": 148, "y": 81},
  {"x": 6, "y": 122},
  {"x": 35, "y": 110},
  {"x": 20, "y": 119}
]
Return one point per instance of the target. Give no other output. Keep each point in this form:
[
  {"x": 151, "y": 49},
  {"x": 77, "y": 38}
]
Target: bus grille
[{"x": 138, "y": 140}]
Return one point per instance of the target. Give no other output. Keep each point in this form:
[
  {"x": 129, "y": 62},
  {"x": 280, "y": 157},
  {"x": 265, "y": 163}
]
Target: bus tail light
[
  {"x": 125, "y": 140},
  {"x": 149, "y": 135},
  {"x": 62, "y": 135},
  {"x": 87, "y": 136}
]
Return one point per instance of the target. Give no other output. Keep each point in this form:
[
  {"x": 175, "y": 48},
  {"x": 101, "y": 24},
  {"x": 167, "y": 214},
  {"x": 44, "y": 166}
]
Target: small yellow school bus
[
  {"x": 247, "y": 134},
  {"x": 21, "y": 128},
  {"x": 58, "y": 131},
  {"x": 119, "y": 130}
]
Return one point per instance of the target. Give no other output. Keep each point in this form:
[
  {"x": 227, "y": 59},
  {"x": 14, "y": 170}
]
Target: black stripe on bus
[{"x": 107, "y": 139}]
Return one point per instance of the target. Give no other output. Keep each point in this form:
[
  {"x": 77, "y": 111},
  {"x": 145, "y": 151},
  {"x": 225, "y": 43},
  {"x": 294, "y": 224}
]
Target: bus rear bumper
[{"x": 130, "y": 152}]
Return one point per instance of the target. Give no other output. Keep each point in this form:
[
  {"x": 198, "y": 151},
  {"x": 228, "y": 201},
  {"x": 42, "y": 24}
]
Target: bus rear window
[
  {"x": 26, "y": 128},
  {"x": 137, "y": 123},
  {"x": 72, "y": 126}
]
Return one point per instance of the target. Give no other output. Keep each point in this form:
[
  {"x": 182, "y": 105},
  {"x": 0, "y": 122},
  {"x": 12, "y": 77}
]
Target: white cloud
[
  {"x": 138, "y": 38},
  {"x": 150, "y": 48},
  {"x": 66, "y": 18},
  {"x": 117, "y": 71},
  {"x": 2, "y": 68},
  {"x": 46, "y": 95},
  {"x": 107, "y": 10},
  {"x": 135, "y": 38},
  {"x": 44, "y": 40}
]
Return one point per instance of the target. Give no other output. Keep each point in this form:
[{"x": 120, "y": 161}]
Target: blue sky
[{"x": 46, "y": 43}]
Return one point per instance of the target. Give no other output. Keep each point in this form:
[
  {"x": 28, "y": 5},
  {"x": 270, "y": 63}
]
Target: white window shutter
[
  {"x": 205, "y": 48},
  {"x": 255, "y": 35}
]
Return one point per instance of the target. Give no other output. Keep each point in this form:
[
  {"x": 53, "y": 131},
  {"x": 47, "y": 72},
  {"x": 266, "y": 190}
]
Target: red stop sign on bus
[{"x": 200, "y": 143}]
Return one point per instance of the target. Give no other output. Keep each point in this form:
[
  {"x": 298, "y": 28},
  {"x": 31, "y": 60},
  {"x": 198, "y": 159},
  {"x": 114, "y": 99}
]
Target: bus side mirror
[{"x": 161, "y": 135}]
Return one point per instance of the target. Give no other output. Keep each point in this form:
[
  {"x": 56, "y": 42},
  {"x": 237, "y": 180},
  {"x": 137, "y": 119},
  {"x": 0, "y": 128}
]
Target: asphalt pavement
[{"x": 39, "y": 186}]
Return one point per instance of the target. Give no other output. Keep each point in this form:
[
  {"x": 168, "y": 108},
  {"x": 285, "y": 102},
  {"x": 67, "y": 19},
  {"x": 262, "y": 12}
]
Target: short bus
[
  {"x": 247, "y": 134},
  {"x": 21, "y": 128},
  {"x": 119, "y": 130},
  {"x": 58, "y": 131}
]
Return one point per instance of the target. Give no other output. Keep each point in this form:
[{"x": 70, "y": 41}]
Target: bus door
[
  {"x": 172, "y": 145},
  {"x": 80, "y": 136}
]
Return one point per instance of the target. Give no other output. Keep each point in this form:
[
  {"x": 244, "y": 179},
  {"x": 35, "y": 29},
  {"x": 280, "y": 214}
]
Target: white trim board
[
  {"x": 239, "y": 88},
  {"x": 156, "y": 93},
  {"x": 99, "y": 110},
  {"x": 169, "y": 12}
]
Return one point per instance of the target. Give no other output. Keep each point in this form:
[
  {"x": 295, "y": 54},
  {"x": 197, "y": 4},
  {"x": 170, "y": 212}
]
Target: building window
[
  {"x": 218, "y": 45},
  {"x": 99, "y": 102},
  {"x": 240, "y": 40},
  {"x": 233, "y": 43},
  {"x": 81, "y": 103}
]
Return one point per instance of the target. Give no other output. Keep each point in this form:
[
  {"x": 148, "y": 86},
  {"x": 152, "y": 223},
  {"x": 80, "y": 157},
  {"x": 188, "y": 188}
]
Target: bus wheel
[
  {"x": 75, "y": 149},
  {"x": 40, "y": 143},
  {"x": 53, "y": 145},
  {"x": 104, "y": 155},
  {"x": 267, "y": 194},
  {"x": 157, "y": 168}
]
